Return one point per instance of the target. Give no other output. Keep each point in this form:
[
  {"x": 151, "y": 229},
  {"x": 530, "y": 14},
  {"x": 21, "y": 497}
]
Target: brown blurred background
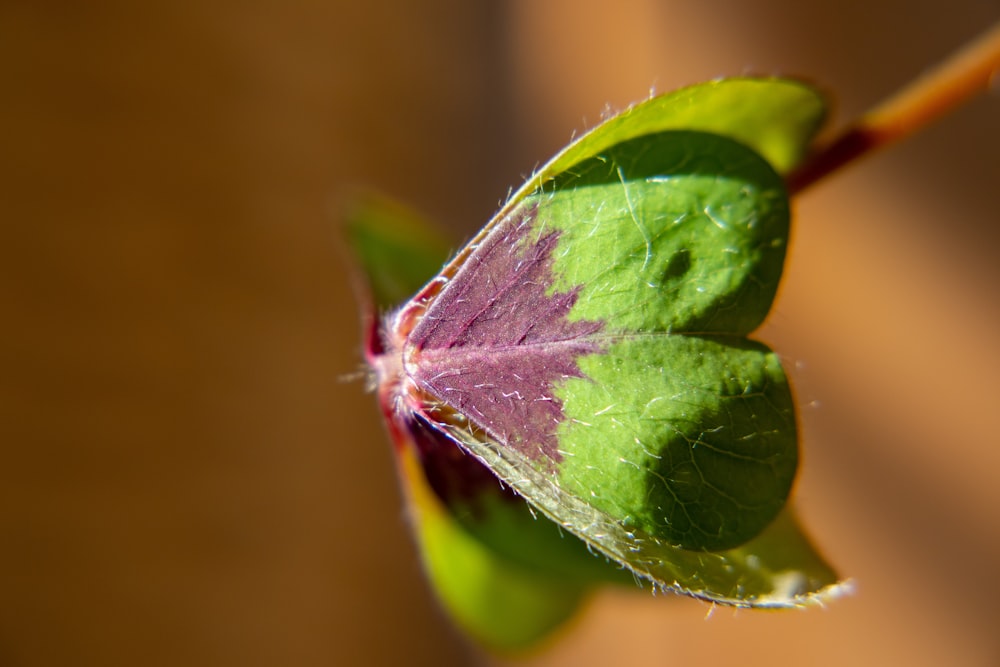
[{"x": 186, "y": 479}]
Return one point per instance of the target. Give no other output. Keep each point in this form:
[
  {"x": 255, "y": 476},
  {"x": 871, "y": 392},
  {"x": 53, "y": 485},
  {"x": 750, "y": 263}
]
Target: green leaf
[
  {"x": 590, "y": 344},
  {"x": 687, "y": 231},
  {"x": 635, "y": 263}
]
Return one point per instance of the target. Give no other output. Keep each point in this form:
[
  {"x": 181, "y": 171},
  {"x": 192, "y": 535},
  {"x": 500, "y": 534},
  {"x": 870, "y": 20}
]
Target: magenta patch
[{"x": 492, "y": 345}]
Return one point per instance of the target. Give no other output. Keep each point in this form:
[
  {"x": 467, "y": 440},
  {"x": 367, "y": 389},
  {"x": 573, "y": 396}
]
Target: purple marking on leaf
[{"x": 493, "y": 344}]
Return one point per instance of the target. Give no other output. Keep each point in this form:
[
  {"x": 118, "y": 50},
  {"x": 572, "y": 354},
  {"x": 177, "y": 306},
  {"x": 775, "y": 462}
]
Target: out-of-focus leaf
[
  {"x": 396, "y": 250},
  {"x": 505, "y": 605}
]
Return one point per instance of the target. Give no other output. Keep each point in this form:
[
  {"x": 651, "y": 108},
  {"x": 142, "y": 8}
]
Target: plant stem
[{"x": 953, "y": 82}]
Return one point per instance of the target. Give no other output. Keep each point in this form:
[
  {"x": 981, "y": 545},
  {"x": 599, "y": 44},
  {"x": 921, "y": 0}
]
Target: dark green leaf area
[
  {"x": 675, "y": 231},
  {"x": 687, "y": 440}
]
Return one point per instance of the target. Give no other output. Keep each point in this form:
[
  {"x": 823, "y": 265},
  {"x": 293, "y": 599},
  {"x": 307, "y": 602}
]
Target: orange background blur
[{"x": 186, "y": 479}]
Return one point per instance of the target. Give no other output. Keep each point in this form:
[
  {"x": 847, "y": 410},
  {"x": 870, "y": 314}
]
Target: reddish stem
[{"x": 939, "y": 91}]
